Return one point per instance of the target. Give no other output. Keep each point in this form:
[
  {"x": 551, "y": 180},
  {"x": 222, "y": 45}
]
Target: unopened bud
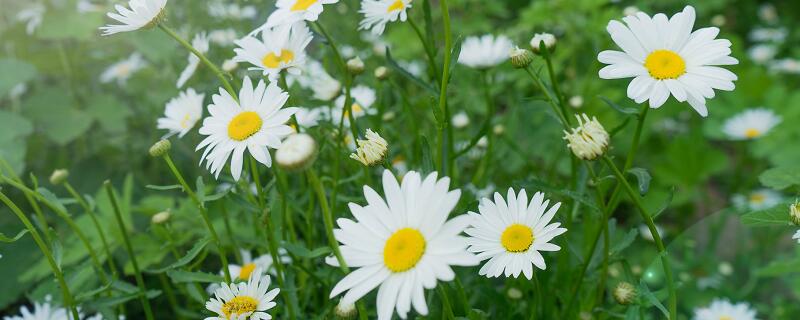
[
  {"x": 297, "y": 152},
  {"x": 589, "y": 140},
  {"x": 161, "y": 217},
  {"x": 345, "y": 311},
  {"x": 549, "y": 41},
  {"x": 624, "y": 293},
  {"x": 514, "y": 293},
  {"x": 59, "y": 176},
  {"x": 794, "y": 213},
  {"x": 382, "y": 73},
  {"x": 355, "y": 66},
  {"x": 521, "y": 58},
  {"x": 160, "y": 148}
]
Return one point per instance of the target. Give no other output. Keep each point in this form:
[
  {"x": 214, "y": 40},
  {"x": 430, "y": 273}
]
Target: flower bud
[
  {"x": 460, "y": 120},
  {"x": 548, "y": 39},
  {"x": 345, "y": 311},
  {"x": 521, "y": 58},
  {"x": 371, "y": 151},
  {"x": 161, "y": 217},
  {"x": 355, "y": 66},
  {"x": 297, "y": 152},
  {"x": 624, "y": 293},
  {"x": 499, "y": 129},
  {"x": 229, "y": 65},
  {"x": 382, "y": 73},
  {"x": 589, "y": 140},
  {"x": 794, "y": 213},
  {"x": 514, "y": 293},
  {"x": 59, "y": 176},
  {"x": 160, "y": 148}
]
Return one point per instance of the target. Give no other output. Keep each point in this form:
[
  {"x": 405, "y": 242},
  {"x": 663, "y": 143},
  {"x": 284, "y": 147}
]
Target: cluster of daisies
[{"x": 47, "y": 310}]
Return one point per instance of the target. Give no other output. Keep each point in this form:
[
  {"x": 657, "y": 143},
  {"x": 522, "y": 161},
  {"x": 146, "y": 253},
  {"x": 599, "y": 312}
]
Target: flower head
[
  {"x": 345, "y": 311},
  {"x": 512, "y": 232},
  {"x": 280, "y": 48},
  {"x": 794, "y": 212},
  {"x": 355, "y": 66},
  {"x": 485, "y": 52},
  {"x": 182, "y": 112},
  {"x": 520, "y": 58},
  {"x": 160, "y": 148},
  {"x": 377, "y": 13},
  {"x": 254, "y": 123},
  {"x": 200, "y": 42},
  {"x": 41, "y": 311},
  {"x": 245, "y": 300},
  {"x": 724, "y": 310},
  {"x": 664, "y": 57},
  {"x": 371, "y": 151},
  {"x": 624, "y": 293},
  {"x": 589, "y": 140},
  {"x": 122, "y": 70},
  {"x": 751, "y": 124},
  {"x": 291, "y": 11},
  {"x": 759, "y": 199},
  {"x": 402, "y": 244},
  {"x": 297, "y": 152},
  {"x": 59, "y": 176},
  {"x": 161, "y": 217},
  {"x": 142, "y": 14},
  {"x": 548, "y": 39}
]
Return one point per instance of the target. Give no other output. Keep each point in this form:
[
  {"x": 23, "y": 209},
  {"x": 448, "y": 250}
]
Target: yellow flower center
[
  {"x": 246, "y": 271},
  {"x": 757, "y": 198},
  {"x": 272, "y": 61},
  {"x": 356, "y": 109},
  {"x": 403, "y": 250},
  {"x": 303, "y": 5},
  {"x": 665, "y": 64},
  {"x": 186, "y": 122},
  {"x": 725, "y": 318},
  {"x": 239, "y": 305},
  {"x": 517, "y": 238},
  {"x": 752, "y": 133},
  {"x": 397, "y": 5},
  {"x": 244, "y": 125}
]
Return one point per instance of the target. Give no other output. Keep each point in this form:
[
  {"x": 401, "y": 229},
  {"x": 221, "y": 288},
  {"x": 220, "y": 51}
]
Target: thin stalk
[
  {"x": 65, "y": 293},
  {"x": 173, "y": 303},
  {"x": 137, "y": 273},
  {"x": 633, "y": 195},
  {"x": 273, "y": 251},
  {"x": 36, "y": 209},
  {"x": 554, "y": 83},
  {"x": 226, "y": 219},
  {"x": 447, "y": 308},
  {"x": 203, "y": 214},
  {"x": 490, "y": 109},
  {"x": 445, "y": 135},
  {"x": 203, "y": 59},
  {"x": 96, "y": 223},
  {"x": 327, "y": 218},
  {"x": 426, "y": 45},
  {"x": 550, "y": 99}
]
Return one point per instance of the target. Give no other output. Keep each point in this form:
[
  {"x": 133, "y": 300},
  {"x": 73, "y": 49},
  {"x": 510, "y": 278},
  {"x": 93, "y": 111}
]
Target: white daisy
[
  {"x": 41, "y": 311},
  {"x": 485, "y": 51},
  {"x": 245, "y": 300},
  {"x": 122, "y": 70},
  {"x": 223, "y": 37},
  {"x": 32, "y": 17},
  {"x": 664, "y": 57},
  {"x": 86, "y": 6},
  {"x": 142, "y": 14},
  {"x": 255, "y": 123},
  {"x": 315, "y": 78},
  {"x": 720, "y": 309},
  {"x": 262, "y": 262},
  {"x": 751, "y": 124},
  {"x": 403, "y": 244},
  {"x": 797, "y": 236},
  {"x": 758, "y": 199},
  {"x": 291, "y": 11},
  {"x": 182, "y": 112},
  {"x": 512, "y": 232},
  {"x": 362, "y": 97},
  {"x": 199, "y": 42},
  {"x": 308, "y": 117},
  {"x": 786, "y": 65},
  {"x": 231, "y": 11},
  {"x": 762, "y": 53},
  {"x": 280, "y": 48},
  {"x": 377, "y": 13}
]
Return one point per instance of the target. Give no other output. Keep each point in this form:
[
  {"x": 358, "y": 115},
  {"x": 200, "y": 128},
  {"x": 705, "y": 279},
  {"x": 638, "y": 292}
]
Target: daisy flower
[
  {"x": 751, "y": 124},
  {"x": 402, "y": 244},
  {"x": 32, "y": 17},
  {"x": 724, "y": 310},
  {"x": 262, "y": 262},
  {"x": 41, "y": 311},
  {"x": 255, "y": 123},
  {"x": 511, "y": 233},
  {"x": 377, "y": 13},
  {"x": 122, "y": 70},
  {"x": 182, "y": 112},
  {"x": 199, "y": 42},
  {"x": 142, "y": 14},
  {"x": 291, "y": 11},
  {"x": 245, "y": 300},
  {"x": 231, "y": 11},
  {"x": 308, "y": 117},
  {"x": 280, "y": 48},
  {"x": 664, "y": 57},
  {"x": 485, "y": 51},
  {"x": 223, "y": 37},
  {"x": 315, "y": 78},
  {"x": 363, "y": 97},
  {"x": 758, "y": 199}
]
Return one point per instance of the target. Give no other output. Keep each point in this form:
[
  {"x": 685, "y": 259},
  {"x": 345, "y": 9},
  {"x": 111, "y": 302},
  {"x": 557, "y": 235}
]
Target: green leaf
[
  {"x": 120, "y": 299},
  {"x": 645, "y": 292},
  {"x": 63, "y": 24},
  {"x": 200, "y": 186},
  {"x": 625, "y": 242},
  {"x": 775, "y": 216},
  {"x": 14, "y": 73},
  {"x": 53, "y": 199},
  {"x": 190, "y": 255},
  {"x": 301, "y": 251},
  {"x": 13, "y": 125},
  {"x": 781, "y": 177},
  {"x": 643, "y": 177},
  {"x": 162, "y": 188},
  {"x": 109, "y": 112},
  {"x": 666, "y": 204},
  {"x": 53, "y": 112},
  {"x": 425, "y": 153},
  {"x": 779, "y": 268},
  {"x": 621, "y": 109},
  {"x": 397, "y": 68},
  {"x": 179, "y": 276},
  {"x": 4, "y": 238}
]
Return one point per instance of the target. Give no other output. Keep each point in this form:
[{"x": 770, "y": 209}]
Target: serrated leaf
[
  {"x": 52, "y": 199},
  {"x": 781, "y": 177},
  {"x": 180, "y": 276},
  {"x": 188, "y": 257},
  {"x": 4, "y": 238},
  {"x": 621, "y": 109},
  {"x": 643, "y": 177},
  {"x": 775, "y": 216}
]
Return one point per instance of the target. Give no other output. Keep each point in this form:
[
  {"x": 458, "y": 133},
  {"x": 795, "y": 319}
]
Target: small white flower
[
  {"x": 255, "y": 123},
  {"x": 231, "y": 11},
  {"x": 315, "y": 78},
  {"x": 415, "y": 68},
  {"x": 32, "y": 16},
  {"x": 308, "y": 117},
  {"x": 142, "y": 14},
  {"x": 787, "y": 65},
  {"x": 777, "y": 35},
  {"x": 161, "y": 217},
  {"x": 797, "y": 236},
  {"x": 41, "y": 311},
  {"x": 371, "y": 151},
  {"x": 182, "y": 112},
  {"x": 280, "y": 48},
  {"x": 768, "y": 13},
  {"x": 291, "y": 11},
  {"x": 751, "y": 124},
  {"x": 511, "y": 233},
  {"x": 758, "y": 199},
  {"x": 122, "y": 70},
  {"x": 223, "y": 37},
  {"x": 762, "y": 53},
  {"x": 362, "y": 97},
  {"x": 724, "y": 310},
  {"x": 548, "y": 39},
  {"x": 460, "y": 120},
  {"x": 485, "y": 52},
  {"x": 589, "y": 140},
  {"x": 200, "y": 42},
  {"x": 245, "y": 300},
  {"x": 480, "y": 193},
  {"x": 297, "y": 152},
  {"x": 377, "y": 13}
]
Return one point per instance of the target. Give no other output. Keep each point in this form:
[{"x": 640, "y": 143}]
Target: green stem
[
  {"x": 67, "y": 296},
  {"x": 131, "y": 254},
  {"x": 273, "y": 251},
  {"x": 327, "y": 217},
  {"x": 28, "y": 196},
  {"x": 444, "y": 133},
  {"x": 633, "y": 195},
  {"x": 203, "y": 214},
  {"x": 447, "y": 308},
  {"x": 96, "y": 223},
  {"x": 426, "y": 45},
  {"x": 550, "y": 99},
  {"x": 554, "y": 83},
  {"x": 203, "y": 59}
]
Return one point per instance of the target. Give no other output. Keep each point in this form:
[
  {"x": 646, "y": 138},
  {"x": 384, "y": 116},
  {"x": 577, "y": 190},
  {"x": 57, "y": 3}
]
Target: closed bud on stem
[
  {"x": 355, "y": 66},
  {"x": 624, "y": 293},
  {"x": 371, "y": 151},
  {"x": 514, "y": 293},
  {"x": 382, "y": 73},
  {"x": 297, "y": 152},
  {"x": 161, "y": 217},
  {"x": 794, "y": 212},
  {"x": 521, "y": 58},
  {"x": 160, "y": 148},
  {"x": 59, "y": 176},
  {"x": 549, "y": 41},
  {"x": 589, "y": 140},
  {"x": 345, "y": 311}
]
